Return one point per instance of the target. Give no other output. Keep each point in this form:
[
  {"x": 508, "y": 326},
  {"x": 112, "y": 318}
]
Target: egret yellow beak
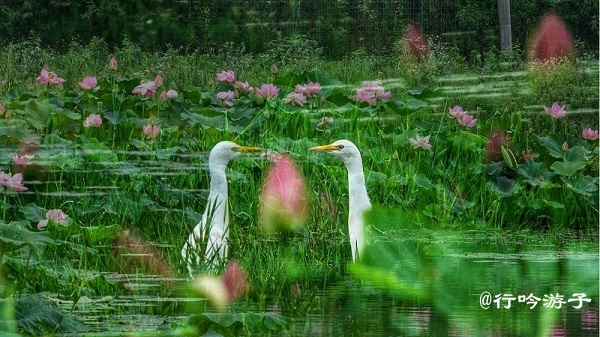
[
  {"x": 244, "y": 149},
  {"x": 324, "y": 148}
]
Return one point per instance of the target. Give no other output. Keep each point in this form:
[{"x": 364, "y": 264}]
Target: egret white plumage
[
  {"x": 357, "y": 191},
  {"x": 215, "y": 219}
]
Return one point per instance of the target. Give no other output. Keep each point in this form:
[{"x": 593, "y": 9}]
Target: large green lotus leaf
[
  {"x": 565, "y": 168},
  {"x": 553, "y": 144},
  {"x": 503, "y": 186},
  {"x": 15, "y": 235},
  {"x": 536, "y": 175},
  {"x": 582, "y": 184}
]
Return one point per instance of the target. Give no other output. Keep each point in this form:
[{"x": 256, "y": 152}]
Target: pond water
[{"x": 411, "y": 283}]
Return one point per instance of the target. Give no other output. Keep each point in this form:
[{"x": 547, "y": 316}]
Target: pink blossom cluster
[{"x": 462, "y": 117}]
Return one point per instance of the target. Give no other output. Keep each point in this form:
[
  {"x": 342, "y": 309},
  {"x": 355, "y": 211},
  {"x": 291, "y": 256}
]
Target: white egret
[
  {"x": 215, "y": 219},
  {"x": 357, "y": 191}
]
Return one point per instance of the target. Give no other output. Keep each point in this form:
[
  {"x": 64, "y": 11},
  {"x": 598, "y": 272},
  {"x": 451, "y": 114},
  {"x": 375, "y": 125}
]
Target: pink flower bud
[{"x": 284, "y": 202}]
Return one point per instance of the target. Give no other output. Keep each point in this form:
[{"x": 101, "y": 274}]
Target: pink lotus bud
[
  {"x": 236, "y": 281},
  {"x": 112, "y": 64},
  {"x": 551, "y": 40},
  {"x": 158, "y": 80},
  {"x": 284, "y": 203}
]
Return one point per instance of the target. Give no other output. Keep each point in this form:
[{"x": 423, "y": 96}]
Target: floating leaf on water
[{"x": 230, "y": 324}]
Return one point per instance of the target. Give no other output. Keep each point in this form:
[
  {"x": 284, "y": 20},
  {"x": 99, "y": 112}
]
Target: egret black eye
[{"x": 340, "y": 147}]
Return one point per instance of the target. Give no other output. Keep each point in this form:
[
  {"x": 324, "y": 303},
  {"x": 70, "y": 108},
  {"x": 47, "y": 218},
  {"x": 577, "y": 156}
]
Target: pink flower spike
[
  {"x": 151, "y": 131},
  {"x": 556, "y": 111},
  {"x": 589, "y": 134},
  {"x": 158, "y": 80},
  {"x": 295, "y": 98},
  {"x": 457, "y": 111},
  {"x": 93, "y": 120},
  {"x": 283, "y": 202},
  {"x": 112, "y": 64},
  {"x": 147, "y": 88},
  {"x": 88, "y": 83},
  {"x": 14, "y": 182},
  {"x": 23, "y": 160},
  {"x": 420, "y": 142},
  {"x": 267, "y": 91},
  {"x": 243, "y": 86},
  {"x": 226, "y": 76}
]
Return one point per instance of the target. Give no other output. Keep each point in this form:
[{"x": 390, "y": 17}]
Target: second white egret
[{"x": 359, "y": 201}]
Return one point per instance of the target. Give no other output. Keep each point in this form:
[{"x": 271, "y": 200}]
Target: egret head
[
  {"x": 226, "y": 151},
  {"x": 344, "y": 149}
]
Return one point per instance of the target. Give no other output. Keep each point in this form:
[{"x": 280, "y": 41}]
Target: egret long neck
[
  {"x": 217, "y": 198},
  {"x": 357, "y": 191}
]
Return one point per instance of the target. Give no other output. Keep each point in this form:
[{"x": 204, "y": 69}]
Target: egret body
[
  {"x": 215, "y": 219},
  {"x": 357, "y": 191}
]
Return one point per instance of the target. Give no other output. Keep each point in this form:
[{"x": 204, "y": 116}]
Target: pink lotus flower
[
  {"x": 23, "y": 160},
  {"x": 363, "y": 95},
  {"x": 48, "y": 77},
  {"x": 551, "y": 40},
  {"x": 93, "y": 120},
  {"x": 222, "y": 290},
  {"x": 295, "y": 98},
  {"x": 151, "y": 131},
  {"x": 589, "y": 134},
  {"x": 2, "y": 83},
  {"x": 243, "y": 86},
  {"x": 420, "y": 142},
  {"x": 226, "y": 98},
  {"x": 457, "y": 112},
  {"x": 112, "y": 63},
  {"x": 283, "y": 202},
  {"x": 415, "y": 42},
  {"x": 467, "y": 120},
  {"x": 147, "y": 88},
  {"x": 309, "y": 90},
  {"x": 493, "y": 148},
  {"x": 14, "y": 182},
  {"x": 324, "y": 123},
  {"x": 267, "y": 91},
  {"x": 370, "y": 91},
  {"x": 88, "y": 82},
  {"x": 55, "y": 215},
  {"x": 168, "y": 94},
  {"x": 226, "y": 76},
  {"x": 158, "y": 80},
  {"x": 556, "y": 111}
]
